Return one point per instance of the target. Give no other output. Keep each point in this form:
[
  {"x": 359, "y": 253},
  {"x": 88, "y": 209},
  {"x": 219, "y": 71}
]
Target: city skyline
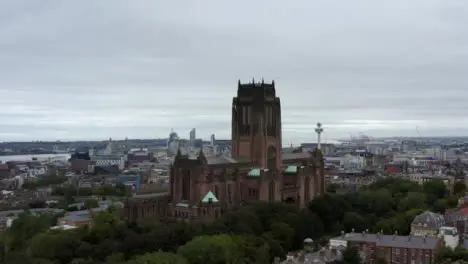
[{"x": 137, "y": 69}]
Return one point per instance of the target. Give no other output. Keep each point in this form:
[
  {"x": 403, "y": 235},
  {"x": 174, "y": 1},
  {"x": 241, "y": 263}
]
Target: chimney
[
  {"x": 342, "y": 233},
  {"x": 352, "y": 230}
]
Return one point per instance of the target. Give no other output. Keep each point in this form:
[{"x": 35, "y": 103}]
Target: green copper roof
[
  {"x": 291, "y": 169},
  {"x": 210, "y": 196},
  {"x": 255, "y": 172},
  {"x": 182, "y": 204}
]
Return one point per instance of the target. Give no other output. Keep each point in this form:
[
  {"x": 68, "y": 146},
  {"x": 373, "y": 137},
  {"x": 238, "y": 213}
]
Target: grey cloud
[{"x": 99, "y": 69}]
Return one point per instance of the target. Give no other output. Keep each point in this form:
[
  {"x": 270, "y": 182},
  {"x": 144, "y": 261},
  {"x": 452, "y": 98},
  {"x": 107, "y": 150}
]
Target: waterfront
[{"x": 40, "y": 157}]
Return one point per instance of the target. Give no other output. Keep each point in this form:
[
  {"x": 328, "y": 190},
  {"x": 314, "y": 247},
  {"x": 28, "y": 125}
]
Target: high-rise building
[
  {"x": 212, "y": 140},
  {"x": 193, "y": 137}
]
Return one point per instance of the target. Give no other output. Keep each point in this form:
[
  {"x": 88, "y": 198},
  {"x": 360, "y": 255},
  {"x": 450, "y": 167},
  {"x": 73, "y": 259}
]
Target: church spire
[{"x": 201, "y": 156}]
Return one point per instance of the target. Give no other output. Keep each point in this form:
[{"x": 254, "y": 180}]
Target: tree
[
  {"x": 412, "y": 200},
  {"x": 91, "y": 203},
  {"x": 283, "y": 233},
  {"x": 332, "y": 188},
  {"x": 158, "y": 258},
  {"x": 331, "y": 208},
  {"x": 56, "y": 245},
  {"x": 434, "y": 190},
  {"x": 353, "y": 220},
  {"x": 351, "y": 256},
  {"x": 211, "y": 250},
  {"x": 25, "y": 227},
  {"x": 459, "y": 188}
]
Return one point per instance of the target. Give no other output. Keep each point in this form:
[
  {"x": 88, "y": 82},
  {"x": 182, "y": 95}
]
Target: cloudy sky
[{"x": 117, "y": 68}]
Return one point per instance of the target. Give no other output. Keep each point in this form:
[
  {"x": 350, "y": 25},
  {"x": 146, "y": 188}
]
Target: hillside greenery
[{"x": 256, "y": 233}]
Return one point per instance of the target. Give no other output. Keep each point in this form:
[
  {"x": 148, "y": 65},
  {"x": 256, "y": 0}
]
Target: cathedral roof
[{"x": 210, "y": 197}]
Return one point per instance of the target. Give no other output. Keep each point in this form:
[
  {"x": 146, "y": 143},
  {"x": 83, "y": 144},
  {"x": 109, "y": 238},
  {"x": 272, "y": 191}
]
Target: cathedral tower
[{"x": 256, "y": 124}]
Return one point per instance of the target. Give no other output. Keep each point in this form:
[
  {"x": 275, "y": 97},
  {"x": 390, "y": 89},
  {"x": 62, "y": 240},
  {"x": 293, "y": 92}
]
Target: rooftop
[
  {"x": 396, "y": 241},
  {"x": 210, "y": 197}
]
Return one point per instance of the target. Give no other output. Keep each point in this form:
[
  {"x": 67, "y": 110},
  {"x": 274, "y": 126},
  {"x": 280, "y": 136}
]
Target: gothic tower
[{"x": 256, "y": 124}]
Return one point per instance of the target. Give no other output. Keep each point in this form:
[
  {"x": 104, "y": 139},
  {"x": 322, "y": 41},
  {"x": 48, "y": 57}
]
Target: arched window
[
  {"x": 271, "y": 191},
  {"x": 271, "y": 163},
  {"x": 307, "y": 190},
  {"x": 186, "y": 185}
]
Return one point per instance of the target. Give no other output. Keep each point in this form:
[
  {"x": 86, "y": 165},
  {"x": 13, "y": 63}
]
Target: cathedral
[{"x": 203, "y": 187}]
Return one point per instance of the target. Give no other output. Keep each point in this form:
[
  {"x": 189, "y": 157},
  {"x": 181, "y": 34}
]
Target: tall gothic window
[
  {"x": 271, "y": 191},
  {"x": 244, "y": 115},
  {"x": 186, "y": 185},
  {"x": 271, "y": 162},
  {"x": 307, "y": 190},
  {"x": 229, "y": 193}
]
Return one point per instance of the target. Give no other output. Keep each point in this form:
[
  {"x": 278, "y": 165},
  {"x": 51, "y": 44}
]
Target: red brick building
[
  {"x": 202, "y": 187},
  {"x": 391, "y": 248}
]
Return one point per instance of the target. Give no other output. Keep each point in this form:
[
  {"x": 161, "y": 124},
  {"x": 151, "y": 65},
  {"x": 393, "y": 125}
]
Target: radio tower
[{"x": 319, "y": 131}]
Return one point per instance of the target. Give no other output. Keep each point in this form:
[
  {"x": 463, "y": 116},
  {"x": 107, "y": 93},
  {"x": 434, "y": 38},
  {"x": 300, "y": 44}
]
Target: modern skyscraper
[
  {"x": 193, "y": 137},
  {"x": 212, "y": 140}
]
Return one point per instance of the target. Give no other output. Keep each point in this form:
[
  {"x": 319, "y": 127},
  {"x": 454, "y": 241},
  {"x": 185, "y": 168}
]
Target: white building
[
  {"x": 353, "y": 162},
  {"x": 450, "y": 236},
  {"x": 110, "y": 160}
]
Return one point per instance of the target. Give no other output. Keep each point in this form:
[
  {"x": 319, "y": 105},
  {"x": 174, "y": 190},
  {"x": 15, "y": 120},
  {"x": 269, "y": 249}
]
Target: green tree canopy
[{"x": 158, "y": 258}]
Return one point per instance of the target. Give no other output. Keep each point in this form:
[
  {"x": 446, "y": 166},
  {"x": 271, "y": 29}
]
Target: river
[{"x": 40, "y": 157}]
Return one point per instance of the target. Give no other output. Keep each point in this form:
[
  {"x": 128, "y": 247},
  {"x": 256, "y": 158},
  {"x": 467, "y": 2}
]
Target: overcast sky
[{"x": 117, "y": 68}]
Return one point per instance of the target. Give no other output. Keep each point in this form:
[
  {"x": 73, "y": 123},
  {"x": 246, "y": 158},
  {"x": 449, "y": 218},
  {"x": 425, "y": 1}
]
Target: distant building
[
  {"x": 450, "y": 236},
  {"x": 390, "y": 248},
  {"x": 458, "y": 218},
  {"x": 132, "y": 180},
  {"x": 138, "y": 156},
  {"x": 353, "y": 162},
  {"x": 5, "y": 172},
  {"x": 212, "y": 140},
  {"x": 192, "y": 137},
  {"x": 110, "y": 160},
  {"x": 326, "y": 148}
]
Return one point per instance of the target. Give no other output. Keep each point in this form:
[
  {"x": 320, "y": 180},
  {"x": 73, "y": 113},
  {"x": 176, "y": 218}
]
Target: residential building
[
  {"x": 450, "y": 236},
  {"x": 390, "y": 248},
  {"x": 5, "y": 172},
  {"x": 458, "y": 218}
]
